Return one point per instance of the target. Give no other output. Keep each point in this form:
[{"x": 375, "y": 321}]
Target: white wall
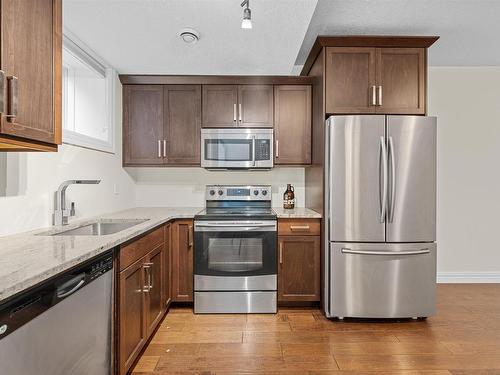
[
  {"x": 186, "y": 186},
  {"x": 28, "y": 181},
  {"x": 467, "y": 102}
]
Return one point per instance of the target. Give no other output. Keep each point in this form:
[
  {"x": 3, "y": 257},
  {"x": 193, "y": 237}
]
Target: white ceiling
[
  {"x": 141, "y": 36},
  {"x": 469, "y": 29}
]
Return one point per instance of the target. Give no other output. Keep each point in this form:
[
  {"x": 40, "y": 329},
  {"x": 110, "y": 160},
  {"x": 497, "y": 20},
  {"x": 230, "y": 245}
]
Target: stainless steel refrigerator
[{"x": 380, "y": 216}]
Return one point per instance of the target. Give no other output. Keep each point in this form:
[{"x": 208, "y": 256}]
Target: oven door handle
[
  {"x": 205, "y": 227},
  {"x": 227, "y": 225}
]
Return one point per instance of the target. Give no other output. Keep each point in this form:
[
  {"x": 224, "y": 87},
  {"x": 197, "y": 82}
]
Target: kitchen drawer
[
  {"x": 138, "y": 248},
  {"x": 299, "y": 227}
]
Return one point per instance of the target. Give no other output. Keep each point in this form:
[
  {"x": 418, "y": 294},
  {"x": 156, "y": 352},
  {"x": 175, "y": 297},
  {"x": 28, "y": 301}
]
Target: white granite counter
[
  {"x": 296, "y": 213},
  {"x": 27, "y": 259}
]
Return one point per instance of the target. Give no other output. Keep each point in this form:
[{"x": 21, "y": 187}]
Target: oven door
[
  {"x": 236, "y": 148},
  {"x": 235, "y": 255}
]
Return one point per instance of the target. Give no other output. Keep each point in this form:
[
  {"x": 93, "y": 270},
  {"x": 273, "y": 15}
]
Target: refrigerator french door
[{"x": 380, "y": 259}]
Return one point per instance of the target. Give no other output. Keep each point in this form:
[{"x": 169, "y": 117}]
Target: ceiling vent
[{"x": 190, "y": 36}]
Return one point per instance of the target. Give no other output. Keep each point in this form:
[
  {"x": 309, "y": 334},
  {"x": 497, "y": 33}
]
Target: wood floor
[{"x": 464, "y": 338}]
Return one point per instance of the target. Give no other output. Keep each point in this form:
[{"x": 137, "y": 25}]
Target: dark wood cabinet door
[
  {"x": 350, "y": 80},
  {"x": 182, "y": 261},
  {"x": 401, "y": 80},
  {"x": 219, "y": 106},
  {"x": 31, "y": 59},
  {"x": 143, "y": 125},
  {"x": 167, "y": 266},
  {"x": 292, "y": 124},
  {"x": 255, "y": 106},
  {"x": 132, "y": 327},
  {"x": 153, "y": 268},
  {"x": 299, "y": 268},
  {"x": 182, "y": 124}
]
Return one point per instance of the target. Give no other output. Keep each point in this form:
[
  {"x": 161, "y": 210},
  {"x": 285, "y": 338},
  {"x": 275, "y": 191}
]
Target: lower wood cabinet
[
  {"x": 182, "y": 260},
  {"x": 140, "y": 305},
  {"x": 299, "y": 266}
]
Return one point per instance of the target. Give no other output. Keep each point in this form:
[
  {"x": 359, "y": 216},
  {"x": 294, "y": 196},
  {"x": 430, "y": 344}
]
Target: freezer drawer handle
[{"x": 383, "y": 252}]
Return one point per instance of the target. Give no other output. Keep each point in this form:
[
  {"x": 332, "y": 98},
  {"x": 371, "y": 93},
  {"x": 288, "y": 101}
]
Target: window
[{"x": 88, "y": 98}]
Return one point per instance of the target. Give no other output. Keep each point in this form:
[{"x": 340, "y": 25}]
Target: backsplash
[{"x": 185, "y": 187}]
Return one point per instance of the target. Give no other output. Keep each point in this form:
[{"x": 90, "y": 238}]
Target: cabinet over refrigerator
[{"x": 380, "y": 216}]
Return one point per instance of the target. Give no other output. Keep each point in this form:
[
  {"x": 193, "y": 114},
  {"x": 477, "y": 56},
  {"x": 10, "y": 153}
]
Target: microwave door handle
[{"x": 253, "y": 151}]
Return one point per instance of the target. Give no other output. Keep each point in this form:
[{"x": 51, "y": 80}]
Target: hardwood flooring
[{"x": 463, "y": 338}]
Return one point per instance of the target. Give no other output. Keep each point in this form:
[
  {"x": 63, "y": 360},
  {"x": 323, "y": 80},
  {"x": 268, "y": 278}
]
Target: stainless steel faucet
[{"x": 61, "y": 213}]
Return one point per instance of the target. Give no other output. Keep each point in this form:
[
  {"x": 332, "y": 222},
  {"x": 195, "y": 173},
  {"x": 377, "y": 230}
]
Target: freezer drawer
[{"x": 382, "y": 280}]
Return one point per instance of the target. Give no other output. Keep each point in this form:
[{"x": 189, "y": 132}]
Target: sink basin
[{"x": 97, "y": 228}]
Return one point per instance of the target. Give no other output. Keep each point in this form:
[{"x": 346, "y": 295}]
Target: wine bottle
[{"x": 289, "y": 197}]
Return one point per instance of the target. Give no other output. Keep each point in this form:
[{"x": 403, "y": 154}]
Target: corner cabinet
[
  {"x": 30, "y": 77},
  {"x": 364, "y": 80},
  {"x": 161, "y": 125},
  {"x": 299, "y": 260}
]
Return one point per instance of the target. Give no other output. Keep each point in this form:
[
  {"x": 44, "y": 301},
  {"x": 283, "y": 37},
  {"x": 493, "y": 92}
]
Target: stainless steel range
[{"x": 235, "y": 265}]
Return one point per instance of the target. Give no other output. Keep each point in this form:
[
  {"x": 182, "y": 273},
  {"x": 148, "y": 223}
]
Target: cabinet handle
[
  {"x": 374, "y": 95},
  {"x": 2, "y": 87},
  {"x": 234, "y": 112},
  {"x": 146, "y": 288},
  {"x": 300, "y": 227},
  {"x": 150, "y": 278},
  {"x": 281, "y": 252},
  {"x": 239, "y": 112},
  {"x": 164, "y": 148},
  {"x": 380, "y": 95},
  {"x": 190, "y": 236},
  {"x": 277, "y": 149},
  {"x": 159, "y": 148},
  {"x": 12, "y": 98}
]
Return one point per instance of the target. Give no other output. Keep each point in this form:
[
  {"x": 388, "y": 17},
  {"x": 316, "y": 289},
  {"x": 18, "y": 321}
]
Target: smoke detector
[{"x": 190, "y": 36}]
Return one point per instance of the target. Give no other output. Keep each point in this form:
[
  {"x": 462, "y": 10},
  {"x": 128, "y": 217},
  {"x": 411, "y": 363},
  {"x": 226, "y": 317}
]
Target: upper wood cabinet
[
  {"x": 143, "y": 125},
  {"x": 182, "y": 124},
  {"x": 182, "y": 260},
  {"x": 350, "y": 80},
  {"x": 292, "y": 124},
  {"x": 226, "y": 106},
  {"x": 30, "y": 79},
  {"x": 161, "y": 125},
  {"x": 255, "y": 106},
  {"x": 375, "y": 80},
  {"x": 220, "y": 108},
  {"x": 401, "y": 80}
]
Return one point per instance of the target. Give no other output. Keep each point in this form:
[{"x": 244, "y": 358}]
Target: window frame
[{"x": 74, "y": 46}]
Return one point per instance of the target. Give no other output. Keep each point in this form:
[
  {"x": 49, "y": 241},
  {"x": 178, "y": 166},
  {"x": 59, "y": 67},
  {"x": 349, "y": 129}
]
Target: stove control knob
[
  {"x": 220, "y": 192},
  {"x": 264, "y": 192},
  {"x": 255, "y": 192},
  {"x": 212, "y": 192}
]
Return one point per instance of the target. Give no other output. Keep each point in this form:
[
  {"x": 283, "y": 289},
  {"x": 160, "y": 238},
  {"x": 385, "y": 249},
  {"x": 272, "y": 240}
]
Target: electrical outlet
[{"x": 116, "y": 189}]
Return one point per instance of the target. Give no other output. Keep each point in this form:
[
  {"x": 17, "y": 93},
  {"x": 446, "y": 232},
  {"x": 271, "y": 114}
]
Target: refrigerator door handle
[
  {"x": 393, "y": 180},
  {"x": 383, "y": 192},
  {"x": 383, "y": 252}
]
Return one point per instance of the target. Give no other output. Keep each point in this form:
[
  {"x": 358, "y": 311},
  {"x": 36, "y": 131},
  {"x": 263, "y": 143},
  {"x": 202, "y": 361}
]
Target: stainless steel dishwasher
[{"x": 63, "y": 326}]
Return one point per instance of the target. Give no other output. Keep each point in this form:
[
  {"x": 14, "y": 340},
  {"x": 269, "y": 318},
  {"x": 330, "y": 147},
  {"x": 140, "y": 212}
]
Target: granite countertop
[
  {"x": 296, "y": 213},
  {"x": 27, "y": 259}
]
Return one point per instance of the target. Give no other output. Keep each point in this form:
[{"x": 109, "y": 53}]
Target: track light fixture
[{"x": 246, "y": 23}]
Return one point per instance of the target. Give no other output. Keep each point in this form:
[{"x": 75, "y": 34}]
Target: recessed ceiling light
[
  {"x": 246, "y": 23},
  {"x": 189, "y": 36}
]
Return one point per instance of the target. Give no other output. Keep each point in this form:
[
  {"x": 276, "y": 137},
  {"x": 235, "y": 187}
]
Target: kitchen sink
[{"x": 97, "y": 228}]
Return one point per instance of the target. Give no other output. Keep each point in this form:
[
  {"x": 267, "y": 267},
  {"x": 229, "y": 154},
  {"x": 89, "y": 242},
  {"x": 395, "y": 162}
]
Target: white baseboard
[{"x": 468, "y": 277}]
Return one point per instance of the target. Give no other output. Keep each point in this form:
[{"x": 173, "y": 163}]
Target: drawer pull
[
  {"x": 300, "y": 227},
  {"x": 384, "y": 252}
]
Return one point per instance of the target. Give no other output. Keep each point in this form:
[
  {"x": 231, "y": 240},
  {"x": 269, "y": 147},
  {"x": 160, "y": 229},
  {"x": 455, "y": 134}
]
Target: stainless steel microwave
[{"x": 237, "y": 148}]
